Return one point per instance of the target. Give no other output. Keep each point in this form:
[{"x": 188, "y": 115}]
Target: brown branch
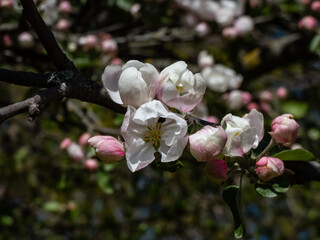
[
  {"x": 27, "y": 79},
  {"x": 31, "y": 105},
  {"x": 59, "y": 59}
]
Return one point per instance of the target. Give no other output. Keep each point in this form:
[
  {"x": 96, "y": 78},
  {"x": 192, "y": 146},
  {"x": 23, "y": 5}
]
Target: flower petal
[
  {"x": 133, "y": 63},
  {"x": 150, "y": 110},
  {"x": 173, "y": 152},
  {"x": 110, "y": 79},
  {"x": 256, "y": 121}
]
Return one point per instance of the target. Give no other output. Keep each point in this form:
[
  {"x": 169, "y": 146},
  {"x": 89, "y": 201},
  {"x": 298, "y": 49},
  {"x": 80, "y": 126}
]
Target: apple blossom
[
  {"x": 91, "y": 164},
  {"x": 149, "y": 129},
  {"x": 224, "y": 16},
  {"x": 315, "y": 6},
  {"x": 25, "y": 40},
  {"x": 246, "y": 97},
  {"x": 107, "y": 148},
  {"x": 65, "y": 7},
  {"x": 266, "y": 96},
  {"x": 217, "y": 169},
  {"x": 282, "y": 92},
  {"x": 243, "y": 133},
  {"x": 252, "y": 105},
  {"x": 180, "y": 88},
  {"x": 83, "y": 139},
  {"x": 268, "y": 168},
  {"x": 230, "y": 33},
  {"x": 220, "y": 78},
  {"x": 6, "y": 3},
  {"x": 88, "y": 42},
  {"x": 109, "y": 45},
  {"x": 207, "y": 143},
  {"x": 63, "y": 25},
  {"x": 202, "y": 29},
  {"x": 205, "y": 59},
  {"x": 244, "y": 25},
  {"x": 308, "y": 23},
  {"x": 75, "y": 152},
  {"x": 135, "y": 8},
  {"x": 65, "y": 143},
  {"x": 233, "y": 99},
  {"x": 134, "y": 84},
  {"x": 284, "y": 129}
]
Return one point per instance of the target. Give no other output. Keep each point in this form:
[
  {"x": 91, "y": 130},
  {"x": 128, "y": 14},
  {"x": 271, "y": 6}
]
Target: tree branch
[
  {"x": 59, "y": 59},
  {"x": 27, "y": 79}
]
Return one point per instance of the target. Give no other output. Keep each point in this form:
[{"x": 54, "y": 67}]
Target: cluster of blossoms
[
  {"x": 153, "y": 129},
  {"x": 76, "y": 150},
  {"x": 228, "y": 14}
]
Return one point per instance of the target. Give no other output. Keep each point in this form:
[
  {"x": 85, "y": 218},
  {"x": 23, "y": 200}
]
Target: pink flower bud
[
  {"x": 269, "y": 167},
  {"x": 7, "y": 40},
  {"x": 230, "y": 33},
  {"x": 65, "y": 143},
  {"x": 75, "y": 152},
  {"x": 202, "y": 29},
  {"x": 284, "y": 129},
  {"x": 212, "y": 119},
  {"x": 65, "y": 7},
  {"x": 63, "y": 25},
  {"x": 252, "y": 105},
  {"x": 83, "y": 139},
  {"x": 265, "y": 107},
  {"x": 315, "y": 6},
  {"x": 117, "y": 61},
  {"x": 108, "y": 149},
  {"x": 282, "y": 92},
  {"x": 266, "y": 96},
  {"x": 207, "y": 143},
  {"x": 308, "y": 23},
  {"x": 91, "y": 164},
  {"x": 217, "y": 169},
  {"x": 246, "y": 98},
  {"x": 25, "y": 40},
  {"x": 109, "y": 45},
  {"x": 6, "y": 3},
  {"x": 88, "y": 42}
]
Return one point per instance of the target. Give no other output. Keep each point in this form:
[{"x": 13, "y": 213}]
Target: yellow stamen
[
  {"x": 180, "y": 88},
  {"x": 153, "y": 135}
]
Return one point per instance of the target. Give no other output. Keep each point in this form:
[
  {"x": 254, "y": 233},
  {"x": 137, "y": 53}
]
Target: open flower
[
  {"x": 243, "y": 133},
  {"x": 180, "y": 88},
  {"x": 149, "y": 129},
  {"x": 134, "y": 84},
  {"x": 220, "y": 78}
]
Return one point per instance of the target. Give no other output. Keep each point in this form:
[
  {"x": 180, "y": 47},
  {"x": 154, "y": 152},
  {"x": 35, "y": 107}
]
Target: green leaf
[
  {"x": 232, "y": 196},
  {"x": 104, "y": 182},
  {"x": 280, "y": 184},
  {"x": 297, "y": 109},
  {"x": 315, "y": 44},
  {"x": 295, "y": 155},
  {"x": 52, "y": 206},
  {"x": 265, "y": 191}
]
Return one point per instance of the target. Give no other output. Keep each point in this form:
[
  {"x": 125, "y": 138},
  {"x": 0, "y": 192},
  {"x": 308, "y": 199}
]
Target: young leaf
[
  {"x": 265, "y": 191},
  {"x": 232, "y": 196},
  {"x": 295, "y": 155}
]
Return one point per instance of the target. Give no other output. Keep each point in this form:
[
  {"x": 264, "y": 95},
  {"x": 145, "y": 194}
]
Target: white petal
[
  {"x": 173, "y": 152},
  {"x": 132, "y": 88},
  {"x": 139, "y": 155},
  {"x": 176, "y": 67},
  {"x": 133, "y": 63},
  {"x": 110, "y": 79},
  {"x": 256, "y": 121},
  {"x": 187, "y": 81},
  {"x": 168, "y": 91},
  {"x": 174, "y": 127},
  {"x": 150, "y": 76},
  {"x": 200, "y": 84},
  {"x": 150, "y": 110}
]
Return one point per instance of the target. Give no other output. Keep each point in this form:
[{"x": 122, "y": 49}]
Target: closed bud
[
  {"x": 207, "y": 143},
  {"x": 83, "y": 139},
  {"x": 315, "y": 6},
  {"x": 217, "y": 169},
  {"x": 65, "y": 7},
  {"x": 308, "y": 23},
  {"x": 284, "y": 129},
  {"x": 75, "y": 152},
  {"x": 107, "y": 148},
  {"x": 268, "y": 168},
  {"x": 65, "y": 143},
  {"x": 282, "y": 92},
  {"x": 91, "y": 164}
]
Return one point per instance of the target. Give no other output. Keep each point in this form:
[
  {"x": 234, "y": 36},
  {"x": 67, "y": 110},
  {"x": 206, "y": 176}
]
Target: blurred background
[{"x": 267, "y": 52}]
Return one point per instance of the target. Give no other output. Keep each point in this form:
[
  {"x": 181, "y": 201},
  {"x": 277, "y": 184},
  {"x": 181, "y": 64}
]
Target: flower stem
[{"x": 271, "y": 144}]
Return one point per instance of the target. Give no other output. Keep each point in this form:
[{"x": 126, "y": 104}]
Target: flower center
[
  {"x": 153, "y": 134},
  {"x": 180, "y": 88}
]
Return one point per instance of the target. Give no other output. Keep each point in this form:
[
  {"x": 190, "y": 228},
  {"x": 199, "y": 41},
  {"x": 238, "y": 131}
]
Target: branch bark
[{"x": 58, "y": 58}]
